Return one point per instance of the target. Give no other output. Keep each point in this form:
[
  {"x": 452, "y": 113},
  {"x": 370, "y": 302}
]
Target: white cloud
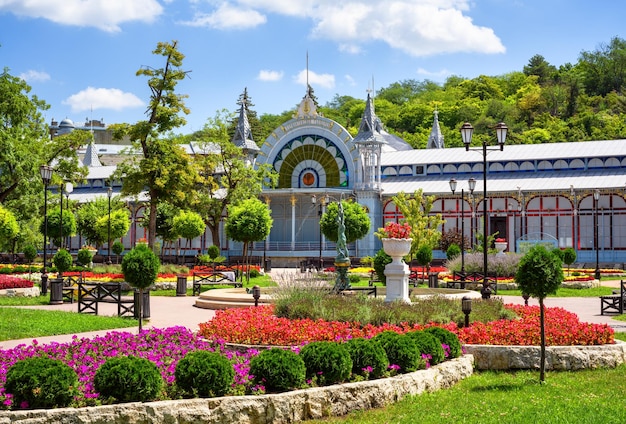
[
  {"x": 418, "y": 28},
  {"x": 267, "y": 75},
  {"x": 106, "y": 15},
  {"x": 35, "y": 76},
  {"x": 320, "y": 80},
  {"x": 442, "y": 74},
  {"x": 102, "y": 98},
  {"x": 228, "y": 17},
  {"x": 350, "y": 80}
]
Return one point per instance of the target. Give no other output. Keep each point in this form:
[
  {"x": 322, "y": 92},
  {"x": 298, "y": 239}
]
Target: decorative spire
[
  {"x": 91, "y": 159},
  {"x": 435, "y": 140},
  {"x": 371, "y": 126},
  {"x": 243, "y": 133}
]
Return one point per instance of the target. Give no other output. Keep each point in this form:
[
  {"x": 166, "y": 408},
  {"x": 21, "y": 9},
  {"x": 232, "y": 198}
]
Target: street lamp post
[
  {"x": 471, "y": 184},
  {"x": 46, "y": 176},
  {"x": 69, "y": 187},
  {"x": 466, "y": 134},
  {"x": 596, "y": 197},
  {"x": 109, "y": 194},
  {"x": 61, "y": 217},
  {"x": 320, "y": 211}
]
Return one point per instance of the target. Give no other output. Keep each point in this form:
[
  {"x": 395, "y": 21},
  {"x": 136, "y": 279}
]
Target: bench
[
  {"x": 70, "y": 287},
  {"x": 368, "y": 290},
  {"x": 212, "y": 278},
  {"x": 614, "y": 303},
  {"x": 90, "y": 295},
  {"x": 373, "y": 279}
]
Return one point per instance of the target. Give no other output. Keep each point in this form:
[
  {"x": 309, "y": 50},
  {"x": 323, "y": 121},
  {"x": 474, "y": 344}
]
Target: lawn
[{"x": 579, "y": 397}]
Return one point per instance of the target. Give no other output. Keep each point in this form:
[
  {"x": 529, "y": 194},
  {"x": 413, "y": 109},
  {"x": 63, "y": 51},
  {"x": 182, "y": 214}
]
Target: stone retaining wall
[
  {"x": 489, "y": 357},
  {"x": 281, "y": 408}
]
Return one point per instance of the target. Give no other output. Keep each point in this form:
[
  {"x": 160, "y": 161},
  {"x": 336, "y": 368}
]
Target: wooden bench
[
  {"x": 614, "y": 303},
  {"x": 90, "y": 295},
  {"x": 373, "y": 279},
  {"x": 70, "y": 287},
  {"x": 213, "y": 278},
  {"x": 368, "y": 290}
]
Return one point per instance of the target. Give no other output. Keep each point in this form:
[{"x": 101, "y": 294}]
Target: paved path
[{"x": 180, "y": 311}]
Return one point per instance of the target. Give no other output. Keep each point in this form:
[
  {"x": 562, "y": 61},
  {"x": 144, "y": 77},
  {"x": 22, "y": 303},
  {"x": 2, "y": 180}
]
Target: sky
[{"x": 81, "y": 56}]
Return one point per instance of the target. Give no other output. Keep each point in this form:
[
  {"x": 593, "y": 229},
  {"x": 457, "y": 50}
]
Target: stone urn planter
[
  {"x": 397, "y": 248},
  {"x": 397, "y": 272},
  {"x": 501, "y": 247}
]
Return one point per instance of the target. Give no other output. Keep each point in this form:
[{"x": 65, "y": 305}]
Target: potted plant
[
  {"x": 396, "y": 239},
  {"x": 501, "y": 245}
]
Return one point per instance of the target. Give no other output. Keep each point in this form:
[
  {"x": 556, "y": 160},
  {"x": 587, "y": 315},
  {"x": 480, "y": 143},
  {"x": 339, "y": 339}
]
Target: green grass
[
  {"x": 21, "y": 323},
  {"x": 579, "y": 397}
]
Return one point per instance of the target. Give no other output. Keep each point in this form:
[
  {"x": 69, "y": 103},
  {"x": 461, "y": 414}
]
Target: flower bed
[
  {"x": 12, "y": 282},
  {"x": 164, "y": 347},
  {"x": 258, "y": 326}
]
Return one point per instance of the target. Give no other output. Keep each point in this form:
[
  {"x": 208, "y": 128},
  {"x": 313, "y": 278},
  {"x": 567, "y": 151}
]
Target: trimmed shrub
[
  {"x": 328, "y": 362},
  {"x": 128, "y": 379},
  {"x": 401, "y": 350},
  {"x": 30, "y": 253},
  {"x": 84, "y": 257},
  {"x": 118, "y": 247},
  {"x": 62, "y": 260},
  {"x": 204, "y": 374},
  {"x": 41, "y": 382},
  {"x": 380, "y": 261},
  {"x": 278, "y": 370},
  {"x": 213, "y": 251},
  {"x": 448, "y": 338},
  {"x": 368, "y": 357},
  {"x": 140, "y": 267},
  {"x": 428, "y": 344},
  {"x": 453, "y": 251}
]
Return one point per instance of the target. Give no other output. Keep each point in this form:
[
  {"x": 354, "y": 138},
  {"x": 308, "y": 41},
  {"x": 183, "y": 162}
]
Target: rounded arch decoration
[{"x": 311, "y": 161}]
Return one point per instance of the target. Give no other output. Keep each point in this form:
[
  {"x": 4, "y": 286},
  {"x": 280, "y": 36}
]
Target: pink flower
[{"x": 394, "y": 230}]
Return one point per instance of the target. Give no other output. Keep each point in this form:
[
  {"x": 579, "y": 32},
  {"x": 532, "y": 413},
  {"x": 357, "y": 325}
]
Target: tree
[
  {"x": 539, "y": 274},
  {"x": 140, "y": 267},
  {"x": 424, "y": 225},
  {"x": 569, "y": 257},
  {"x": 56, "y": 227},
  {"x": 164, "y": 169},
  {"x": 89, "y": 219},
  {"x": 225, "y": 179},
  {"x": 120, "y": 224},
  {"x": 9, "y": 229},
  {"x": 188, "y": 225},
  {"x": 164, "y": 223},
  {"x": 355, "y": 218},
  {"x": 248, "y": 222}
]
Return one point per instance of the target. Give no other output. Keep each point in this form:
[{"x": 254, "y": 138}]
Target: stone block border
[
  {"x": 558, "y": 358},
  {"x": 289, "y": 407}
]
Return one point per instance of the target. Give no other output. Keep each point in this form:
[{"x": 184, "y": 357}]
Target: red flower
[{"x": 394, "y": 230}]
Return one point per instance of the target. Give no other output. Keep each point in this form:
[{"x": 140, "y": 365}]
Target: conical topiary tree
[
  {"x": 539, "y": 274},
  {"x": 140, "y": 267}
]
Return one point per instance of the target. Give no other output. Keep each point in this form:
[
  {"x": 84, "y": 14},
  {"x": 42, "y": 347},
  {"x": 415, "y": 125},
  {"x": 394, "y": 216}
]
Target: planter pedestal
[{"x": 397, "y": 272}]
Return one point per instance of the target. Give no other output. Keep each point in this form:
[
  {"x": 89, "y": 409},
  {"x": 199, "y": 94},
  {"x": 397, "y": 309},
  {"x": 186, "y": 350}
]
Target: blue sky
[{"x": 81, "y": 56}]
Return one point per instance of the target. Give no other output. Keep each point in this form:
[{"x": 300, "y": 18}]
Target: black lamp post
[
  {"x": 466, "y": 134},
  {"x": 596, "y": 197},
  {"x": 320, "y": 211},
  {"x": 46, "y": 176},
  {"x": 466, "y": 307},
  {"x": 69, "y": 187},
  {"x": 109, "y": 194},
  {"x": 61, "y": 217},
  {"x": 472, "y": 184}
]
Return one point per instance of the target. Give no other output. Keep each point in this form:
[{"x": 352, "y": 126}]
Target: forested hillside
[{"x": 540, "y": 103}]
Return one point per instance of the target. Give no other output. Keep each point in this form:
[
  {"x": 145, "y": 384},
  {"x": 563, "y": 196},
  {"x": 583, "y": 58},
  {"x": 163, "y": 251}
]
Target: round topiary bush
[
  {"x": 328, "y": 362},
  {"x": 213, "y": 251},
  {"x": 140, "y": 267},
  {"x": 62, "y": 261},
  {"x": 428, "y": 344},
  {"x": 453, "y": 251},
  {"x": 204, "y": 374},
  {"x": 41, "y": 382},
  {"x": 368, "y": 357},
  {"x": 30, "y": 253},
  {"x": 84, "y": 257},
  {"x": 381, "y": 259},
  {"x": 448, "y": 338},
  {"x": 128, "y": 379},
  {"x": 401, "y": 351},
  {"x": 278, "y": 370}
]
